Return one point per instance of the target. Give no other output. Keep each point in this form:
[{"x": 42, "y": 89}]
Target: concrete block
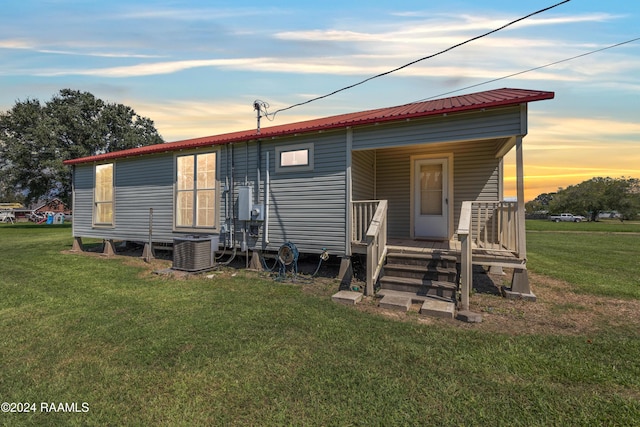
[
  {"x": 109, "y": 248},
  {"x": 347, "y": 297},
  {"x": 469, "y": 316},
  {"x": 393, "y": 302},
  {"x": 436, "y": 308},
  {"x": 256, "y": 264},
  {"x": 77, "y": 245},
  {"x": 509, "y": 294}
]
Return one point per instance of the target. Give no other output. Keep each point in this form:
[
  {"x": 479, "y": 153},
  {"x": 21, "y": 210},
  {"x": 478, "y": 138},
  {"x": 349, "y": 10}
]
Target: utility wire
[
  {"x": 364, "y": 113},
  {"x": 531, "y": 69},
  {"x": 416, "y": 61}
]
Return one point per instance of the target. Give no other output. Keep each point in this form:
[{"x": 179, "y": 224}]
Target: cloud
[
  {"x": 356, "y": 65},
  {"x": 39, "y": 47},
  {"x": 16, "y": 44},
  {"x": 441, "y": 24},
  {"x": 198, "y": 14},
  {"x": 178, "y": 120},
  {"x": 598, "y": 129}
]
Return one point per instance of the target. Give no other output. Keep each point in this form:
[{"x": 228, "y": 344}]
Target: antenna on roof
[{"x": 259, "y": 106}]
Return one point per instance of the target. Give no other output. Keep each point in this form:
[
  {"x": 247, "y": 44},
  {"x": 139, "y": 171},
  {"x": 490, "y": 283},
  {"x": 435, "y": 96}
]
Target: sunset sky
[{"x": 195, "y": 67}]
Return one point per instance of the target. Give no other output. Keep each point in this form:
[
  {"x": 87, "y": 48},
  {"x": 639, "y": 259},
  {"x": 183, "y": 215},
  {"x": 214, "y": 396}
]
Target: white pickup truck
[{"x": 566, "y": 217}]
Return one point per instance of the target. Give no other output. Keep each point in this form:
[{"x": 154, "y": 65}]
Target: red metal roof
[{"x": 455, "y": 104}]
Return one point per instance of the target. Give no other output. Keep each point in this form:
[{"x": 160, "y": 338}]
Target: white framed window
[
  {"x": 294, "y": 158},
  {"x": 196, "y": 191},
  {"x": 103, "y": 195}
]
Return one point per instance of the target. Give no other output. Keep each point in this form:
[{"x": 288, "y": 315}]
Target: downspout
[
  {"x": 265, "y": 234},
  {"x": 73, "y": 198},
  {"x": 232, "y": 225},
  {"x": 348, "y": 195},
  {"x": 258, "y": 167}
]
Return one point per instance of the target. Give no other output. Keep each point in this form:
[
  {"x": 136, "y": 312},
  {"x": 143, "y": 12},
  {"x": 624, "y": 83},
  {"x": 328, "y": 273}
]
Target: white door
[{"x": 430, "y": 200}]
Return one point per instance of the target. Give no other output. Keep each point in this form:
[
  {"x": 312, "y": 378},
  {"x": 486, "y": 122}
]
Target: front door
[{"x": 431, "y": 198}]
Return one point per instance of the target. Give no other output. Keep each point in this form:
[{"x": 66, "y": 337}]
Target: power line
[
  {"x": 364, "y": 113},
  {"x": 414, "y": 62},
  {"x": 531, "y": 69}
]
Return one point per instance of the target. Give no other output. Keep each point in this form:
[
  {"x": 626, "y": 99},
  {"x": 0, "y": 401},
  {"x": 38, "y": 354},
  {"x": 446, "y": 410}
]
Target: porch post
[
  {"x": 522, "y": 237},
  {"x": 520, "y": 282}
]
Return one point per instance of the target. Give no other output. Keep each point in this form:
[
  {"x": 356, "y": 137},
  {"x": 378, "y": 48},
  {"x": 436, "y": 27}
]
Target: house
[
  {"x": 54, "y": 205},
  {"x": 426, "y": 175}
]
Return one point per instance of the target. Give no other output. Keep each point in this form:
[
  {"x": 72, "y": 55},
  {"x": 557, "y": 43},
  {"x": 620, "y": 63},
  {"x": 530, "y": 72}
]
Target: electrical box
[
  {"x": 257, "y": 213},
  {"x": 245, "y": 202}
]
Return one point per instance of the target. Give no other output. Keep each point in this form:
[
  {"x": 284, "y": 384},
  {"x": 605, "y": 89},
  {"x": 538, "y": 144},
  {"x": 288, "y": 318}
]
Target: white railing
[
  {"x": 362, "y": 212},
  {"x": 370, "y": 228},
  {"x": 495, "y": 225},
  {"x": 487, "y": 225}
]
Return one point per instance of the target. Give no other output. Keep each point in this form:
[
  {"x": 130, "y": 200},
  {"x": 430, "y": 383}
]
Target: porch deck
[{"x": 481, "y": 256}]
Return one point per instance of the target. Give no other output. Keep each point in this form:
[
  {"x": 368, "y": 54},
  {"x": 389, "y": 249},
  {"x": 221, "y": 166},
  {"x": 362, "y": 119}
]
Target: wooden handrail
[
  {"x": 362, "y": 212},
  {"x": 376, "y": 239},
  {"x": 369, "y": 227}
]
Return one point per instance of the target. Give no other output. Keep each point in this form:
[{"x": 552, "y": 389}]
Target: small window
[
  {"x": 103, "y": 195},
  {"x": 294, "y": 158}
]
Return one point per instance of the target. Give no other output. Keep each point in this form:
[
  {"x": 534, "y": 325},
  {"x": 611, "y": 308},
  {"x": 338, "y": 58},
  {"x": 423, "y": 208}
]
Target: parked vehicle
[
  {"x": 7, "y": 216},
  {"x": 566, "y": 217}
]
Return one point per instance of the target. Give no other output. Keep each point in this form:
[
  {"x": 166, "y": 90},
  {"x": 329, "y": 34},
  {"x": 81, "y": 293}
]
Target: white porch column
[
  {"x": 520, "y": 282},
  {"x": 522, "y": 235}
]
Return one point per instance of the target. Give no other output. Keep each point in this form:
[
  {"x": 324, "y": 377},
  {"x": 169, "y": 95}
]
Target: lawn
[
  {"x": 604, "y": 226},
  {"x": 601, "y": 258},
  {"x": 242, "y": 349}
]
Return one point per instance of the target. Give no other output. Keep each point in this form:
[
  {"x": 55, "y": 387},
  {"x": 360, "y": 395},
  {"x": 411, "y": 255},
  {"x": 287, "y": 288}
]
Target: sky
[{"x": 196, "y": 67}]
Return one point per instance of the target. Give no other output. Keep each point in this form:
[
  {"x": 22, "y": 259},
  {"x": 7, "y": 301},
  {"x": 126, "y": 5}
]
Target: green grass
[
  {"x": 604, "y": 226},
  {"x": 146, "y": 350},
  {"x": 598, "y": 262}
]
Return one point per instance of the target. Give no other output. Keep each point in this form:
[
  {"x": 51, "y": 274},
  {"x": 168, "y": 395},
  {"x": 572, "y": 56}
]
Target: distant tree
[
  {"x": 540, "y": 203},
  {"x": 596, "y": 195},
  {"x": 36, "y": 138}
]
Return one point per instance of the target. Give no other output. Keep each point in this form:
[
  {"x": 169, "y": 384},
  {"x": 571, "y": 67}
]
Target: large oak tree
[{"x": 35, "y": 138}]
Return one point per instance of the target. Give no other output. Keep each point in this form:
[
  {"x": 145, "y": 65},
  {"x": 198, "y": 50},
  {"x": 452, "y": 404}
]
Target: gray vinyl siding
[
  {"x": 83, "y": 178},
  {"x": 308, "y": 208},
  {"x": 489, "y": 124},
  {"x": 140, "y": 184},
  {"x": 363, "y": 167}
]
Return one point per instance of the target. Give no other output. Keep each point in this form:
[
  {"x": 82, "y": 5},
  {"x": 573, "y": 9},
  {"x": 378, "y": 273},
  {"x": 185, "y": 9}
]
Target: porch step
[
  {"x": 422, "y": 259},
  {"x": 434, "y": 288},
  {"x": 424, "y": 274},
  {"x": 421, "y": 272}
]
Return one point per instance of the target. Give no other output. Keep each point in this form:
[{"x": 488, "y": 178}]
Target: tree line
[
  {"x": 35, "y": 138},
  {"x": 592, "y": 197}
]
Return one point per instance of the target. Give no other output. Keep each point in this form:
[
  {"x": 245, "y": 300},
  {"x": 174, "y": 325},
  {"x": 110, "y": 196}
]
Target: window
[
  {"x": 294, "y": 158},
  {"x": 196, "y": 190},
  {"x": 103, "y": 195}
]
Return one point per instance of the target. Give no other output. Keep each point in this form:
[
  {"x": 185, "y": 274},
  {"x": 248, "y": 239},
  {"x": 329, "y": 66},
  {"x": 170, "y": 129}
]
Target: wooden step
[
  {"x": 428, "y": 260},
  {"x": 436, "y": 288},
  {"x": 421, "y": 272}
]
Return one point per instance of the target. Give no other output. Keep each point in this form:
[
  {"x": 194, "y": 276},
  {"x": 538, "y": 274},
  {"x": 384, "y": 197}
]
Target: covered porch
[{"x": 478, "y": 229}]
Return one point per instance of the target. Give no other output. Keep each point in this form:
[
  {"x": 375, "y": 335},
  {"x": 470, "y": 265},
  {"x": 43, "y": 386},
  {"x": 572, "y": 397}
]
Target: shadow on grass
[{"x": 485, "y": 283}]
